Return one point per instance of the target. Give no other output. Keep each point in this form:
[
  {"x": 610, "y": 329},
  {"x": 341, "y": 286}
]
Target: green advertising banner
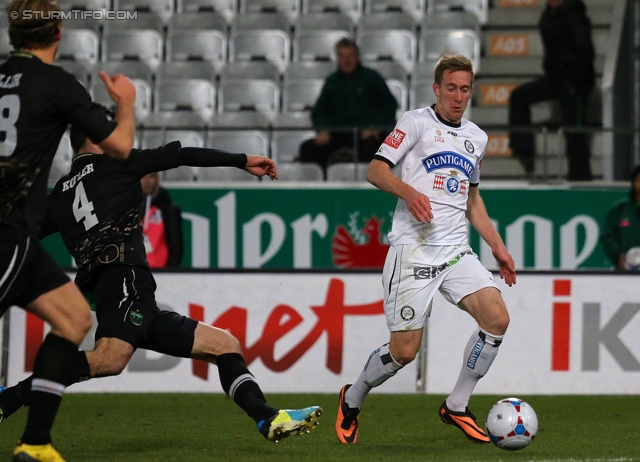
[{"x": 327, "y": 228}]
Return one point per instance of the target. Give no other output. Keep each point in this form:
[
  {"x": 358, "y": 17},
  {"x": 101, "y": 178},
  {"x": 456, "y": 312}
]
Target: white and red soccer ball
[{"x": 511, "y": 424}]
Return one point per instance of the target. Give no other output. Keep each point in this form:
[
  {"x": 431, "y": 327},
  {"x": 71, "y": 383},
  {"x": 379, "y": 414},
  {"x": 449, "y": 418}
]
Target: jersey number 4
[{"x": 83, "y": 208}]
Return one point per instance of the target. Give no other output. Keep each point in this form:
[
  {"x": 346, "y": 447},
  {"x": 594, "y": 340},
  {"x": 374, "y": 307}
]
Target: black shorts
[
  {"x": 126, "y": 309},
  {"x": 26, "y": 270}
]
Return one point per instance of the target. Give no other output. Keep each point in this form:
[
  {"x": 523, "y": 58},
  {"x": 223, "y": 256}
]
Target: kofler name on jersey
[
  {"x": 77, "y": 177},
  {"x": 448, "y": 159}
]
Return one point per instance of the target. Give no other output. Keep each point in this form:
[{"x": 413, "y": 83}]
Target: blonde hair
[{"x": 451, "y": 62}]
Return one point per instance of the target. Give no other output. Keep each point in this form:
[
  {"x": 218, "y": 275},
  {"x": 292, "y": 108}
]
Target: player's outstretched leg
[
  {"x": 36, "y": 453},
  {"x": 288, "y": 422},
  {"x": 347, "y": 420}
]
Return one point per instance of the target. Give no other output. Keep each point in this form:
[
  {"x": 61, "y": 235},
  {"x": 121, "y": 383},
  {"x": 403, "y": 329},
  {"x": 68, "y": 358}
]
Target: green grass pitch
[{"x": 197, "y": 427}]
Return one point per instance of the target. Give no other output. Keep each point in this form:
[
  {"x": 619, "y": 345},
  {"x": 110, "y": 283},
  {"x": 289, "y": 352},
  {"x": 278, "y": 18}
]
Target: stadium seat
[
  {"x": 390, "y": 70},
  {"x": 388, "y": 45},
  {"x": 300, "y": 172},
  {"x": 143, "y": 105},
  {"x": 203, "y": 20},
  {"x": 399, "y": 90},
  {"x": 421, "y": 94},
  {"x": 289, "y": 7},
  {"x": 174, "y": 120},
  {"x": 197, "y": 45},
  {"x": 82, "y": 45},
  {"x": 254, "y": 142},
  {"x": 257, "y": 95},
  {"x": 187, "y": 70},
  {"x": 80, "y": 71},
  {"x": 309, "y": 70},
  {"x": 393, "y": 20},
  {"x": 316, "y": 45},
  {"x": 260, "y": 45},
  {"x": 352, "y": 8},
  {"x": 188, "y": 138},
  {"x": 79, "y": 23},
  {"x": 132, "y": 69},
  {"x": 139, "y": 45},
  {"x": 285, "y": 144},
  {"x": 250, "y": 70},
  {"x": 188, "y": 95},
  {"x": 183, "y": 173},
  {"x": 143, "y": 21},
  {"x": 261, "y": 21},
  {"x": 240, "y": 120},
  {"x": 226, "y": 8},
  {"x": 434, "y": 43},
  {"x": 163, "y": 8},
  {"x": 414, "y": 7},
  {"x": 478, "y": 7},
  {"x": 324, "y": 21},
  {"x": 348, "y": 171},
  {"x": 450, "y": 20},
  {"x": 62, "y": 160},
  {"x": 300, "y": 94},
  {"x": 286, "y": 120},
  {"x": 66, "y": 5}
]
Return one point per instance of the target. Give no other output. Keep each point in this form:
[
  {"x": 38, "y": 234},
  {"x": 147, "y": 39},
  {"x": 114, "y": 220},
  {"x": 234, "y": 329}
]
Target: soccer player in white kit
[{"x": 441, "y": 155}]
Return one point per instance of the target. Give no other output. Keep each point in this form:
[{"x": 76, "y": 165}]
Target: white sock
[
  {"x": 481, "y": 350},
  {"x": 379, "y": 368}
]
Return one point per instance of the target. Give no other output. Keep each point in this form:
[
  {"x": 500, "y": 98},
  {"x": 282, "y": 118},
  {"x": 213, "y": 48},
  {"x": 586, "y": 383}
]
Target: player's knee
[
  {"x": 404, "y": 354},
  {"x": 500, "y": 323}
]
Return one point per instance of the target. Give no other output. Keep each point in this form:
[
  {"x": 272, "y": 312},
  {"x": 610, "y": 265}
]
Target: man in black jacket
[
  {"x": 161, "y": 224},
  {"x": 568, "y": 77}
]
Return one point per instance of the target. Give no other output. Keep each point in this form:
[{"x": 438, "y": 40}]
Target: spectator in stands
[
  {"x": 568, "y": 77},
  {"x": 622, "y": 226},
  {"x": 352, "y": 96},
  {"x": 161, "y": 224}
]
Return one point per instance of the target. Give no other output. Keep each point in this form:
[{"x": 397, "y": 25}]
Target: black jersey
[
  {"x": 37, "y": 102},
  {"x": 96, "y": 206}
]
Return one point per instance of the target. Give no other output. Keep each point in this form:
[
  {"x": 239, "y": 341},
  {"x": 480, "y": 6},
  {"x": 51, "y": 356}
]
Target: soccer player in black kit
[
  {"x": 95, "y": 208},
  {"x": 37, "y": 102}
]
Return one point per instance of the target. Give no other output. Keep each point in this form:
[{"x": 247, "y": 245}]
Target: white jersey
[{"x": 440, "y": 160}]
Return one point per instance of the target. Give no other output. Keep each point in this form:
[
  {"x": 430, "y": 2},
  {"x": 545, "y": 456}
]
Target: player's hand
[
  {"x": 323, "y": 137},
  {"x": 121, "y": 89},
  {"x": 419, "y": 206},
  {"x": 507, "y": 266},
  {"x": 261, "y": 166}
]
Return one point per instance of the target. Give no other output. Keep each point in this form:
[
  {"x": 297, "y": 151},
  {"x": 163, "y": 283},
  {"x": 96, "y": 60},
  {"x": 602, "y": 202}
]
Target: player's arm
[
  {"x": 381, "y": 176},
  {"x": 121, "y": 90},
  {"x": 479, "y": 219}
]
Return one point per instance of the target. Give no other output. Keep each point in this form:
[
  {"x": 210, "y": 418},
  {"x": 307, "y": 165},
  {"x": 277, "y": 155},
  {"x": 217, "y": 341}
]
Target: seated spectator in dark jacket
[
  {"x": 352, "y": 96},
  {"x": 621, "y": 231},
  {"x": 161, "y": 224}
]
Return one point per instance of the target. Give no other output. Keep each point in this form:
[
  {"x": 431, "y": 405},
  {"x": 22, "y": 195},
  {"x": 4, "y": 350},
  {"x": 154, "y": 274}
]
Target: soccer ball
[
  {"x": 632, "y": 259},
  {"x": 512, "y": 424}
]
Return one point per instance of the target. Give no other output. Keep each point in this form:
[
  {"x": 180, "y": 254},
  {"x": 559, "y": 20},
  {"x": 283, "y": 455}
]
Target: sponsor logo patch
[
  {"x": 448, "y": 159},
  {"x": 475, "y": 353},
  {"x": 407, "y": 313},
  {"x": 395, "y": 138}
]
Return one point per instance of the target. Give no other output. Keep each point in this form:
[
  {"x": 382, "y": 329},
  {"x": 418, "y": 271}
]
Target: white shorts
[{"x": 412, "y": 273}]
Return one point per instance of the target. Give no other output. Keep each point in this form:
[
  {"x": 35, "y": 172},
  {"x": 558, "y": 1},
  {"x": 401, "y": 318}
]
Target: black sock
[
  {"x": 241, "y": 386},
  {"x": 13, "y": 398},
  {"x": 54, "y": 368}
]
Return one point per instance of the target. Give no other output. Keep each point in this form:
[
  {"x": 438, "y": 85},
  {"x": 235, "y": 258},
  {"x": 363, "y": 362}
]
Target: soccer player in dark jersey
[
  {"x": 96, "y": 208},
  {"x": 37, "y": 102}
]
